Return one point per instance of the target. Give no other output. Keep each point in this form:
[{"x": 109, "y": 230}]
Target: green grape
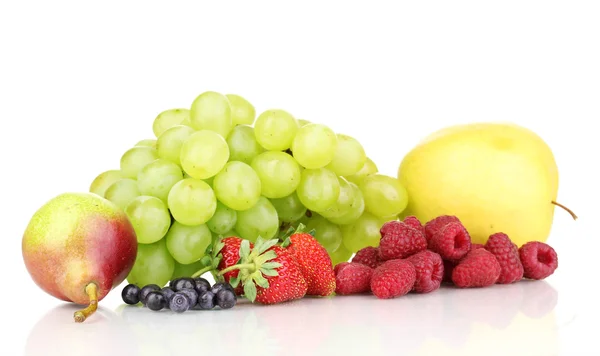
[
  {"x": 367, "y": 169},
  {"x": 158, "y": 177},
  {"x": 344, "y": 200},
  {"x": 212, "y": 111},
  {"x": 146, "y": 143},
  {"x": 242, "y": 112},
  {"x": 153, "y": 265},
  {"x": 327, "y": 233},
  {"x": 188, "y": 270},
  {"x": 349, "y": 156},
  {"x": 302, "y": 123},
  {"x": 275, "y": 129},
  {"x": 384, "y": 196},
  {"x": 319, "y": 189},
  {"x": 362, "y": 232},
  {"x": 353, "y": 211},
  {"x": 122, "y": 192},
  {"x": 242, "y": 144},
  {"x": 192, "y": 202},
  {"x": 340, "y": 255},
  {"x": 237, "y": 186},
  {"x": 169, "y": 118},
  {"x": 170, "y": 141},
  {"x": 204, "y": 154},
  {"x": 104, "y": 180},
  {"x": 290, "y": 208},
  {"x": 223, "y": 219},
  {"x": 187, "y": 244},
  {"x": 150, "y": 218},
  {"x": 135, "y": 159},
  {"x": 259, "y": 220},
  {"x": 279, "y": 173},
  {"x": 314, "y": 146}
]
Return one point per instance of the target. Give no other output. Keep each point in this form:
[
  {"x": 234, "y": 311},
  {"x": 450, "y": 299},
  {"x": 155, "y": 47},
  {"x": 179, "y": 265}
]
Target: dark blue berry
[
  {"x": 183, "y": 283},
  {"x": 146, "y": 290},
  {"x": 202, "y": 285},
  {"x": 131, "y": 294},
  {"x": 220, "y": 286},
  {"x": 206, "y": 300},
  {"x": 179, "y": 303},
  {"x": 156, "y": 301},
  {"x": 225, "y": 299},
  {"x": 168, "y": 293},
  {"x": 192, "y": 296}
]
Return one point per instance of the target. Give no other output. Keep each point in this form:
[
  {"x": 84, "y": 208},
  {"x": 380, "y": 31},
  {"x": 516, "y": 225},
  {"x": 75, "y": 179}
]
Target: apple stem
[
  {"x": 92, "y": 291},
  {"x": 565, "y": 208}
]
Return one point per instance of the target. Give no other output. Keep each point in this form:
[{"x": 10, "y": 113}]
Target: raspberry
[
  {"x": 539, "y": 260},
  {"x": 452, "y": 241},
  {"x": 479, "y": 268},
  {"x": 399, "y": 240},
  {"x": 353, "y": 278},
  {"x": 476, "y": 246},
  {"x": 393, "y": 278},
  {"x": 413, "y": 222},
  {"x": 430, "y": 271},
  {"x": 432, "y": 226},
  {"x": 368, "y": 256},
  {"x": 448, "y": 268},
  {"x": 507, "y": 254},
  {"x": 339, "y": 267}
]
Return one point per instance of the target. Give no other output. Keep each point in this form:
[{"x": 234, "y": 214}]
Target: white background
[{"x": 81, "y": 82}]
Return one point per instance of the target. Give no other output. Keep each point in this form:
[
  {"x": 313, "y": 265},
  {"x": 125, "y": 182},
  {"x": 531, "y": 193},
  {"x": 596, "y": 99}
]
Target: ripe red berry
[
  {"x": 352, "y": 278},
  {"x": 432, "y": 226},
  {"x": 539, "y": 260},
  {"x": 479, "y": 268},
  {"x": 368, "y": 256},
  {"x": 393, "y": 278},
  {"x": 399, "y": 240},
  {"x": 413, "y": 222},
  {"x": 452, "y": 241},
  {"x": 476, "y": 246},
  {"x": 429, "y": 269},
  {"x": 448, "y": 268},
  {"x": 507, "y": 254}
]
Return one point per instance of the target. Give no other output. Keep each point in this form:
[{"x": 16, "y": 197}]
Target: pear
[
  {"x": 494, "y": 177},
  {"x": 77, "y": 247}
]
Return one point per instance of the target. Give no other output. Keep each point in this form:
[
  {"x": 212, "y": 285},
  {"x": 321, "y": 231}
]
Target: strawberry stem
[
  {"x": 251, "y": 267},
  {"x": 202, "y": 271}
]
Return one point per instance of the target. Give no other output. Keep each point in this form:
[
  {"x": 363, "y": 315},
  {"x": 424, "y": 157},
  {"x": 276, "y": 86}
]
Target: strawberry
[
  {"x": 314, "y": 261},
  {"x": 267, "y": 273},
  {"x": 229, "y": 255}
]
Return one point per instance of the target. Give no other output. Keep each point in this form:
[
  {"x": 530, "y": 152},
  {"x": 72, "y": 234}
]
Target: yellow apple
[{"x": 494, "y": 177}]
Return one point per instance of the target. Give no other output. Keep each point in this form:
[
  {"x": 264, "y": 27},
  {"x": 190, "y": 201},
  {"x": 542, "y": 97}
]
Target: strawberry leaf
[
  {"x": 235, "y": 281},
  {"x": 312, "y": 232},
  {"x": 260, "y": 280},
  {"x": 206, "y": 261},
  {"x": 269, "y": 255},
  {"x": 250, "y": 290},
  {"x": 267, "y": 245},
  {"x": 286, "y": 242},
  {"x": 245, "y": 249},
  {"x": 271, "y": 265},
  {"x": 269, "y": 272}
]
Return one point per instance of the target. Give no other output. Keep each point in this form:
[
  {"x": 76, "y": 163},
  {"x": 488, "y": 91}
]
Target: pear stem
[
  {"x": 565, "y": 208},
  {"x": 249, "y": 266},
  {"x": 92, "y": 291}
]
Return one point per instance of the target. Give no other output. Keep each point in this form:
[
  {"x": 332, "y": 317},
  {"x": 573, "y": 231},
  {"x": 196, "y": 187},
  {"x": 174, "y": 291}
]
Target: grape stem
[
  {"x": 202, "y": 271},
  {"x": 249, "y": 266},
  {"x": 92, "y": 291}
]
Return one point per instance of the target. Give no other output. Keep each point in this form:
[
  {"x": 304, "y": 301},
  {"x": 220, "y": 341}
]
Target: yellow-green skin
[
  {"x": 76, "y": 239},
  {"x": 493, "y": 177}
]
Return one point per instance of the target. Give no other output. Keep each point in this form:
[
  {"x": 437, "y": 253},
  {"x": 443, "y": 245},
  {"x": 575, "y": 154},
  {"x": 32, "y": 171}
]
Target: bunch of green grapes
[{"x": 219, "y": 169}]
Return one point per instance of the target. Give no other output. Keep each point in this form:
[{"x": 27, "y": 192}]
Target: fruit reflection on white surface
[{"x": 510, "y": 319}]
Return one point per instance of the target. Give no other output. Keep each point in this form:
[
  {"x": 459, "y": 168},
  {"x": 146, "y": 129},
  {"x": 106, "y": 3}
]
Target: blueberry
[
  {"x": 220, "y": 286},
  {"x": 146, "y": 290},
  {"x": 183, "y": 283},
  {"x": 206, "y": 300},
  {"x": 225, "y": 299},
  {"x": 192, "y": 296},
  {"x": 168, "y": 293},
  {"x": 202, "y": 285},
  {"x": 156, "y": 301},
  {"x": 173, "y": 281},
  {"x": 179, "y": 303},
  {"x": 131, "y": 294}
]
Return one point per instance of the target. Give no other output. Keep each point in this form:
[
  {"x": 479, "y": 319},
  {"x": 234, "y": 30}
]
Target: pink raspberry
[
  {"x": 393, "y": 278},
  {"x": 339, "y": 267},
  {"x": 429, "y": 269},
  {"x": 413, "y": 222},
  {"x": 368, "y": 256},
  {"x": 476, "y": 246},
  {"x": 452, "y": 241},
  {"x": 507, "y": 254},
  {"x": 399, "y": 240},
  {"x": 432, "y": 226},
  {"x": 352, "y": 278},
  {"x": 539, "y": 260},
  {"x": 479, "y": 268}
]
